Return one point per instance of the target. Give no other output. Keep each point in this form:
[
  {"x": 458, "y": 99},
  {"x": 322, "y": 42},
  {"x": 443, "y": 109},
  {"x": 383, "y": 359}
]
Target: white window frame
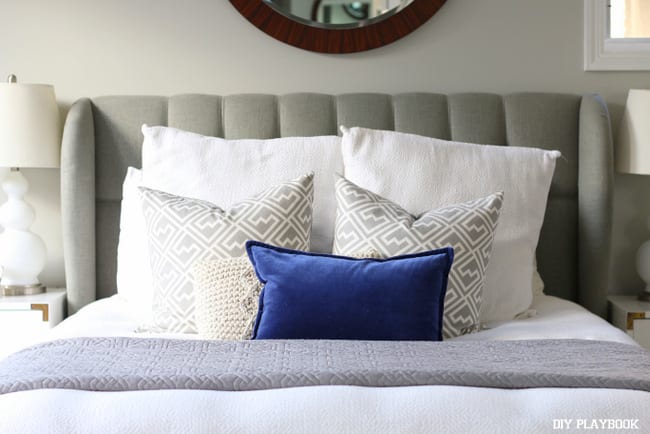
[{"x": 602, "y": 53}]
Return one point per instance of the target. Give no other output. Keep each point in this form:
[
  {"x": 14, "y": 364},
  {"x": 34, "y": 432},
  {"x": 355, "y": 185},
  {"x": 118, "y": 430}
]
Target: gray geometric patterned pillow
[
  {"x": 366, "y": 220},
  {"x": 182, "y": 231}
]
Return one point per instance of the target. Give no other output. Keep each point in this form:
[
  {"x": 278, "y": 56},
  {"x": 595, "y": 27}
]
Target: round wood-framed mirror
[{"x": 363, "y": 35}]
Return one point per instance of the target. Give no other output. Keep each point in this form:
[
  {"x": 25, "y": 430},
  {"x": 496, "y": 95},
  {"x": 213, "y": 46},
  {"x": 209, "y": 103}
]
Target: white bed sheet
[
  {"x": 338, "y": 409},
  {"x": 555, "y": 319}
]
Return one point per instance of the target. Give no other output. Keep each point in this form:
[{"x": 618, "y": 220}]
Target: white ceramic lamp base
[
  {"x": 643, "y": 268},
  {"x": 22, "y": 253}
]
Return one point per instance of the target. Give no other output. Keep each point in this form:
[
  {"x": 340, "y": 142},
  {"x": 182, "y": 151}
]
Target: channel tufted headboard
[{"x": 102, "y": 138}]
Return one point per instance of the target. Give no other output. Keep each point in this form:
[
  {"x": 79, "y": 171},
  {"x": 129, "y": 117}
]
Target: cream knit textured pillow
[{"x": 226, "y": 292}]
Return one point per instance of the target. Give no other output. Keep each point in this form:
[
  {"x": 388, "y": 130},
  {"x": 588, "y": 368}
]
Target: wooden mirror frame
[{"x": 337, "y": 40}]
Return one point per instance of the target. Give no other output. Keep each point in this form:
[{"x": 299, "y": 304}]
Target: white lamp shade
[
  {"x": 633, "y": 147},
  {"x": 30, "y": 128}
]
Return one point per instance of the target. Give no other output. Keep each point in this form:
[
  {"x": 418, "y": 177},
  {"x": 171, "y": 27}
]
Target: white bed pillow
[
  {"x": 227, "y": 171},
  {"x": 422, "y": 173},
  {"x": 133, "y": 277},
  {"x": 219, "y": 171},
  {"x": 538, "y": 283}
]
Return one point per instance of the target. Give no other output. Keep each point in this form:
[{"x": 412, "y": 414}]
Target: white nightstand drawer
[
  {"x": 641, "y": 332},
  {"x": 631, "y": 315},
  {"x": 25, "y": 320}
]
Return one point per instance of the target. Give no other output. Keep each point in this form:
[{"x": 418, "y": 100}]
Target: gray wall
[{"x": 93, "y": 47}]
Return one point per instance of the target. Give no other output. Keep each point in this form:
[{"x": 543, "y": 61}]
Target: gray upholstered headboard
[{"x": 102, "y": 138}]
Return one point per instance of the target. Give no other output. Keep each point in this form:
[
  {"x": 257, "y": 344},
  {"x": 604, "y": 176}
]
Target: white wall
[{"x": 91, "y": 48}]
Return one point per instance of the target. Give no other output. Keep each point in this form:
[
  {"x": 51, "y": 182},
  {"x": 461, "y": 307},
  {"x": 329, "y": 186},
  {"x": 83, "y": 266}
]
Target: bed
[{"x": 102, "y": 138}]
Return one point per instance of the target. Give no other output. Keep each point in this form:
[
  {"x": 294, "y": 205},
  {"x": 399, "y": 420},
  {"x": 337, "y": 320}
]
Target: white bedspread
[{"x": 333, "y": 408}]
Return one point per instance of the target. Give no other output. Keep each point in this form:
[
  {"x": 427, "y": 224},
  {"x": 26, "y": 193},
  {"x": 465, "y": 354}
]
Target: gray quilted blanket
[{"x": 123, "y": 364}]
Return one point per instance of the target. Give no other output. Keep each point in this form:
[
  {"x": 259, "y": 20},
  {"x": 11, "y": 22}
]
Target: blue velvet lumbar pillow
[{"x": 319, "y": 296}]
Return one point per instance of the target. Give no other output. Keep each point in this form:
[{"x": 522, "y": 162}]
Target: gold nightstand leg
[{"x": 44, "y": 308}]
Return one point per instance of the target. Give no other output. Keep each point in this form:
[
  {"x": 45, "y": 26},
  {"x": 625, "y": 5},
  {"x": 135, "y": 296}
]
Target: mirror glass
[{"x": 338, "y": 13}]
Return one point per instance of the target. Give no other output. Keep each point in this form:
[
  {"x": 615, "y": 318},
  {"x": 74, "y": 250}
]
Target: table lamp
[
  {"x": 30, "y": 136},
  {"x": 633, "y": 156}
]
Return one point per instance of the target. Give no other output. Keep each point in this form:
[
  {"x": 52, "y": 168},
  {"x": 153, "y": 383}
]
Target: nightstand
[
  {"x": 25, "y": 319},
  {"x": 632, "y": 315}
]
